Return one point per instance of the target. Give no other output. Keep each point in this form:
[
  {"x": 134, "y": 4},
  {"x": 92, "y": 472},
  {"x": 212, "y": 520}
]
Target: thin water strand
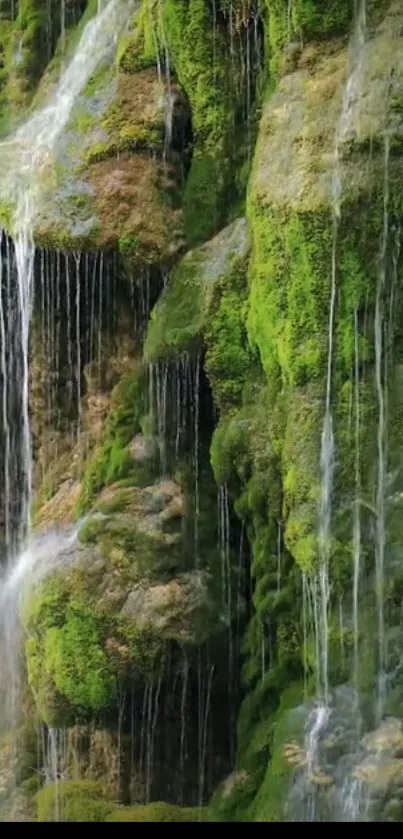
[
  {"x": 357, "y": 510},
  {"x": 380, "y": 490}
]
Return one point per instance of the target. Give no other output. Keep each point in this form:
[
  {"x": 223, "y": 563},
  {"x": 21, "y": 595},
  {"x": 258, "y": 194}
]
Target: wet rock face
[
  {"x": 380, "y": 772},
  {"x": 119, "y": 168},
  {"x": 387, "y": 739},
  {"x": 295, "y": 153},
  {"x": 351, "y": 778},
  {"x": 153, "y": 590}
]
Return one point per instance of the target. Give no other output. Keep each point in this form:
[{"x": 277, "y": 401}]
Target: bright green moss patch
[
  {"x": 228, "y": 358},
  {"x": 286, "y": 725},
  {"x": 73, "y": 801},
  {"x": 290, "y": 291},
  {"x": 86, "y": 801},
  {"x": 303, "y": 20},
  {"x": 208, "y": 69},
  {"x": 69, "y": 658},
  {"x": 111, "y": 460},
  {"x": 157, "y": 811},
  {"x": 138, "y": 47},
  {"x": 182, "y": 313},
  {"x": 79, "y": 650}
]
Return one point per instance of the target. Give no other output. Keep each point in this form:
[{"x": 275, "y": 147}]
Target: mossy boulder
[
  {"x": 180, "y": 319},
  {"x": 73, "y": 801},
  {"x": 199, "y": 39},
  {"x": 157, "y": 811},
  {"x": 125, "y": 593},
  {"x": 294, "y": 163},
  {"x": 87, "y": 801},
  {"x": 110, "y": 181}
]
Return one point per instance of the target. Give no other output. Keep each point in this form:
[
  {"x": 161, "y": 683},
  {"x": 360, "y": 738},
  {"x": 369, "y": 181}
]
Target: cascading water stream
[
  {"x": 380, "y": 490},
  {"x": 320, "y": 715},
  {"x": 327, "y": 446},
  {"x": 24, "y": 156},
  {"x": 357, "y": 513}
]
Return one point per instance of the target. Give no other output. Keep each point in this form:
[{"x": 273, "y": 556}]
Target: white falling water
[
  {"x": 4, "y": 403},
  {"x": 380, "y": 490},
  {"x": 357, "y": 514},
  {"x": 24, "y": 157},
  {"x": 43, "y": 554},
  {"x": 350, "y": 98},
  {"x": 321, "y": 713}
]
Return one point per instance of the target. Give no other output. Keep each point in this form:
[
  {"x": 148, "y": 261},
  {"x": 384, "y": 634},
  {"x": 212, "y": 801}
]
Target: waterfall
[
  {"x": 357, "y": 514},
  {"x": 23, "y": 156},
  {"x": 4, "y": 404},
  {"x": 380, "y": 489},
  {"x": 320, "y": 716},
  {"x": 351, "y": 94}
]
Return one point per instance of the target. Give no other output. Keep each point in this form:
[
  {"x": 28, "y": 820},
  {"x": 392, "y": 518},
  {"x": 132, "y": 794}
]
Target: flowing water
[
  {"x": 320, "y": 716},
  {"x": 25, "y": 157},
  {"x": 380, "y": 490}
]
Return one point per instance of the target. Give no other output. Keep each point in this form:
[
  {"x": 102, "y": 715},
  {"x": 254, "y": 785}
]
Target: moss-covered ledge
[{"x": 181, "y": 318}]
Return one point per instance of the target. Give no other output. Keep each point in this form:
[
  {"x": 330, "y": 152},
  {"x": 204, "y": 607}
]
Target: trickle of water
[
  {"x": 197, "y": 455},
  {"x": 226, "y": 593},
  {"x": 290, "y": 6},
  {"x": 78, "y": 342},
  {"x": 380, "y": 490},
  {"x": 351, "y": 96},
  {"x": 43, "y": 554},
  {"x": 185, "y": 675},
  {"x": 278, "y": 558},
  {"x": 63, "y": 24},
  {"x": 24, "y": 156},
  {"x": 24, "y": 256},
  {"x": 357, "y": 512},
  {"x": 4, "y": 406}
]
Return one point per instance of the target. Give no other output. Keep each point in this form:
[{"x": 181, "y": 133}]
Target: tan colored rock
[
  {"x": 295, "y": 153},
  {"x": 388, "y": 738},
  {"x": 149, "y": 509},
  {"x": 295, "y": 755},
  {"x": 171, "y": 608},
  {"x": 60, "y": 508},
  {"x": 380, "y": 774},
  {"x": 233, "y": 781},
  {"x": 140, "y": 449},
  {"x": 320, "y": 779}
]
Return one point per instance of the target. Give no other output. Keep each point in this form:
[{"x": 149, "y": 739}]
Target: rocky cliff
[{"x": 217, "y": 268}]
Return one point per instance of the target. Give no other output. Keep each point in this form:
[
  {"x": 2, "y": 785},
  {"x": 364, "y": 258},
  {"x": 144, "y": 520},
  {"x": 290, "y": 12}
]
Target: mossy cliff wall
[{"x": 189, "y": 246}]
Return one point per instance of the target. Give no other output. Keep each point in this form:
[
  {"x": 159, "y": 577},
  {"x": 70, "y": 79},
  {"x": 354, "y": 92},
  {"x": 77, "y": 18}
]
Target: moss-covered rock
[
  {"x": 157, "y": 811},
  {"x": 85, "y": 801},
  {"x": 199, "y": 39},
  {"x": 182, "y": 315},
  {"x": 73, "y": 801}
]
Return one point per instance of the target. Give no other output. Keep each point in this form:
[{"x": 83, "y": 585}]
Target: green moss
[
  {"x": 291, "y": 256},
  {"x": 207, "y": 67},
  {"x": 111, "y": 461},
  {"x": 138, "y": 47},
  {"x": 70, "y": 658},
  {"x": 228, "y": 357},
  {"x": 304, "y": 20},
  {"x": 78, "y": 653},
  {"x": 269, "y": 803},
  {"x": 233, "y": 798},
  {"x": 193, "y": 303},
  {"x": 157, "y": 811},
  {"x": 73, "y": 801},
  {"x": 178, "y": 318}
]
